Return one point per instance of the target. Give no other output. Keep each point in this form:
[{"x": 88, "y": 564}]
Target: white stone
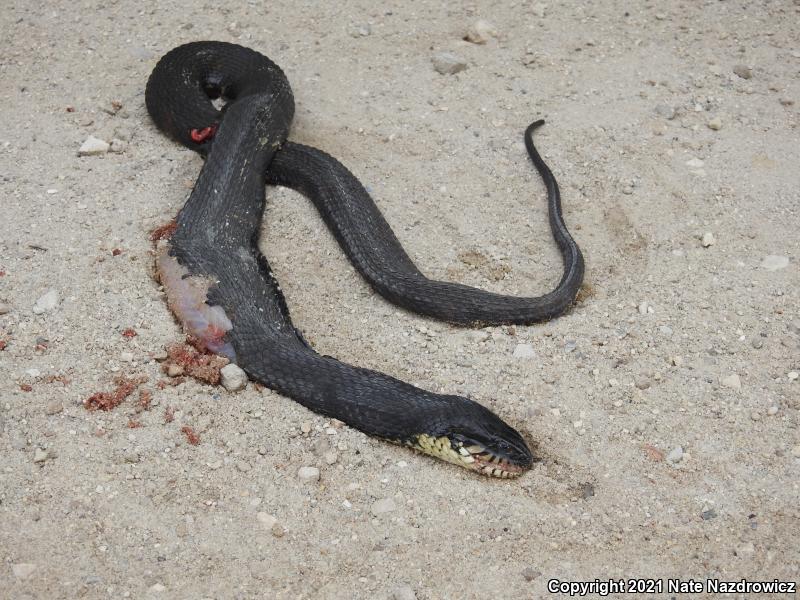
[
  {"x": 732, "y": 381},
  {"x": 708, "y": 239},
  {"x": 524, "y": 351},
  {"x": 694, "y": 163},
  {"x": 308, "y": 474},
  {"x": 773, "y": 262},
  {"x": 93, "y": 146},
  {"x": 233, "y": 378},
  {"x": 676, "y": 455},
  {"x": 480, "y": 32},
  {"x": 46, "y": 302}
]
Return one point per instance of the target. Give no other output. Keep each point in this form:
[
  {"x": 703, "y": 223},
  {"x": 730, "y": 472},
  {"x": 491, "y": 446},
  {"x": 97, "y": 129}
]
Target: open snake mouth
[{"x": 473, "y": 457}]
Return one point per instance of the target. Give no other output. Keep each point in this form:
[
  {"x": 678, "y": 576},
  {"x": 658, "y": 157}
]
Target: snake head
[{"x": 477, "y": 439}]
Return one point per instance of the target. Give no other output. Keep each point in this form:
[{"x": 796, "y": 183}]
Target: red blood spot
[
  {"x": 109, "y": 400},
  {"x": 25, "y": 387},
  {"x": 2, "y": 344},
  {"x": 129, "y": 333},
  {"x": 133, "y": 424},
  {"x": 145, "y": 398},
  {"x": 191, "y": 435},
  {"x": 201, "y": 135},
  {"x": 70, "y": 109},
  {"x": 2, "y": 273},
  {"x": 164, "y": 232},
  {"x": 169, "y": 414},
  {"x": 116, "y": 252}
]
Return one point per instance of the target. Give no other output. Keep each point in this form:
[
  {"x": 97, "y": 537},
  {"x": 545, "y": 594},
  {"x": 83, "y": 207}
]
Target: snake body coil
[{"x": 223, "y": 291}]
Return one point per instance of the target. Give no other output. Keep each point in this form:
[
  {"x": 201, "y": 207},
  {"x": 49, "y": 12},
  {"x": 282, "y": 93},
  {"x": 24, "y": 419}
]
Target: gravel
[
  {"x": 731, "y": 381},
  {"x": 524, "y": 351}
]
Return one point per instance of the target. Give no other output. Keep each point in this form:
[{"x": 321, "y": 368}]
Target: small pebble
[
  {"x": 715, "y": 124},
  {"x": 39, "y": 455},
  {"x": 773, "y": 262},
  {"x": 4, "y": 309},
  {"x": 772, "y": 411},
  {"x": 756, "y": 416},
  {"x": 732, "y": 381},
  {"x": 403, "y": 592},
  {"x": 745, "y": 549},
  {"x": 305, "y": 427},
  {"x": 331, "y": 457},
  {"x": 380, "y": 507},
  {"x": 676, "y": 455},
  {"x": 480, "y": 32},
  {"x": 694, "y": 163},
  {"x": 447, "y": 63},
  {"x": 642, "y": 383},
  {"x": 743, "y": 71},
  {"x": 757, "y": 343},
  {"x": 174, "y": 370},
  {"x": 23, "y": 570},
  {"x": 118, "y": 146},
  {"x": 53, "y": 408},
  {"x": 666, "y": 330},
  {"x": 708, "y": 239},
  {"x": 233, "y": 378},
  {"x": 46, "y": 302},
  {"x": 131, "y": 457},
  {"x": 529, "y": 573},
  {"x": 796, "y": 451},
  {"x": 792, "y": 375},
  {"x": 93, "y": 146},
  {"x": 643, "y": 308},
  {"x": 308, "y": 474},
  {"x": 266, "y": 519},
  {"x": 126, "y": 356},
  {"x": 666, "y": 111},
  {"x": 709, "y": 514},
  {"x": 524, "y": 351}
]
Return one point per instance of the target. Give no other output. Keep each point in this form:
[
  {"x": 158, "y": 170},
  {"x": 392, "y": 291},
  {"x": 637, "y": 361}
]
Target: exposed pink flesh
[{"x": 186, "y": 297}]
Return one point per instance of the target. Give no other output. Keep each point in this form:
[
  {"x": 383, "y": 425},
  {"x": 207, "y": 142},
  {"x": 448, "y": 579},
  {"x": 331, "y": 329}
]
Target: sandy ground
[{"x": 663, "y": 407}]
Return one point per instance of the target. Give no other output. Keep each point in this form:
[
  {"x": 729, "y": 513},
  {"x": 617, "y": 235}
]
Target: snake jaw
[{"x": 473, "y": 457}]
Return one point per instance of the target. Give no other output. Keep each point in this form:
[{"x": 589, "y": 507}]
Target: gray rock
[
  {"x": 93, "y": 147},
  {"x": 743, "y": 71},
  {"x": 233, "y": 378},
  {"x": 308, "y": 474},
  {"x": 529, "y": 573},
  {"x": 4, "y": 309},
  {"x": 46, "y": 302},
  {"x": 448, "y": 63},
  {"x": 773, "y": 262},
  {"x": 709, "y": 514},
  {"x": 383, "y": 506}
]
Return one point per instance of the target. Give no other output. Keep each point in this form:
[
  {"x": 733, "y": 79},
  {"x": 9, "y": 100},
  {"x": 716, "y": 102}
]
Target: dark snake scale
[{"x": 235, "y": 106}]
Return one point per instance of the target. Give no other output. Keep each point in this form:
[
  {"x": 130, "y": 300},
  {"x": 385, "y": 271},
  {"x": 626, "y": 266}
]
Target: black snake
[{"x": 223, "y": 291}]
